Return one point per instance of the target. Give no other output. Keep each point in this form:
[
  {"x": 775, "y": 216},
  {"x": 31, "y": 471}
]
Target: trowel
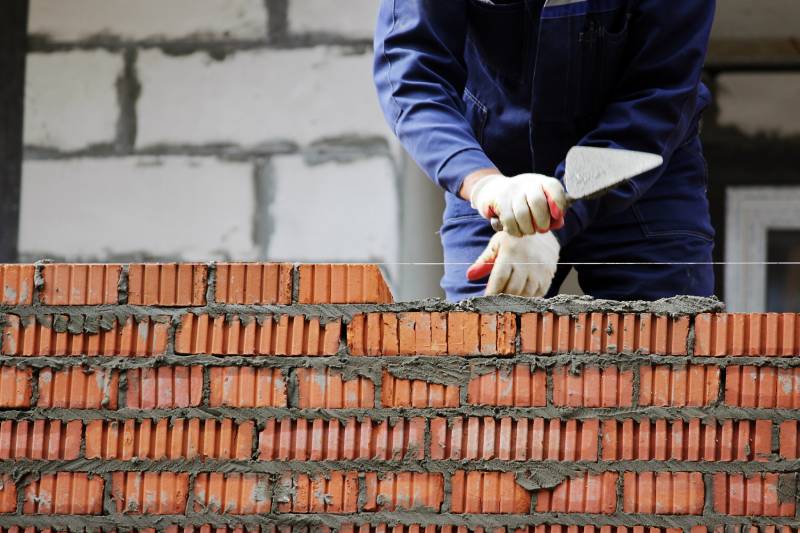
[{"x": 591, "y": 172}]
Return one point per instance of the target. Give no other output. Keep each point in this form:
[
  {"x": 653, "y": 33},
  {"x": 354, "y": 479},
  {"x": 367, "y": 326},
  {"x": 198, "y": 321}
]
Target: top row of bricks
[{"x": 187, "y": 284}]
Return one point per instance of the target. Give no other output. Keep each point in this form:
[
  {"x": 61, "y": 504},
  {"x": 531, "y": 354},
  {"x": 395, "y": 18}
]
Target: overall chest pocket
[
  {"x": 603, "y": 52},
  {"x": 499, "y": 32}
]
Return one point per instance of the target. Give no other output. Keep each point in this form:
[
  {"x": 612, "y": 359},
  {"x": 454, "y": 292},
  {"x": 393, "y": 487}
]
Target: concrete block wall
[
  {"x": 206, "y": 130},
  {"x": 268, "y": 396}
]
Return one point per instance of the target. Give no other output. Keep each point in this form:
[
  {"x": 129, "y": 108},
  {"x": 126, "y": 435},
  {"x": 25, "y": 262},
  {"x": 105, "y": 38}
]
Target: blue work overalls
[{"x": 471, "y": 84}]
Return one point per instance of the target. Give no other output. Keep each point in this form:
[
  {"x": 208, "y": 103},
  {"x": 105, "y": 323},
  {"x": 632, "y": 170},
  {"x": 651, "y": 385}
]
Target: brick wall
[{"x": 155, "y": 396}]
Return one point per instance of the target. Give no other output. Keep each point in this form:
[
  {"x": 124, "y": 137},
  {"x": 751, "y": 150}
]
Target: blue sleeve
[
  {"x": 655, "y": 100},
  {"x": 420, "y": 77}
]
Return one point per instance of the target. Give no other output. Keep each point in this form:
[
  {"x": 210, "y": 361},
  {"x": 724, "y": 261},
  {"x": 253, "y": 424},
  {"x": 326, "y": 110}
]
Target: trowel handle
[{"x": 498, "y": 226}]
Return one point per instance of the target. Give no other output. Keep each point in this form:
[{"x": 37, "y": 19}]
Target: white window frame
[{"x": 750, "y": 213}]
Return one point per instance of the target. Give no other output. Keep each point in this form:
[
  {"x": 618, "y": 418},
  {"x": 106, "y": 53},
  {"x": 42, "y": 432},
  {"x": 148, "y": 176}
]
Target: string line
[{"x": 610, "y": 263}]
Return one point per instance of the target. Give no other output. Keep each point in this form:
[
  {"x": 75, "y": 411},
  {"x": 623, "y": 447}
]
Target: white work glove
[
  {"x": 525, "y": 204},
  {"x": 521, "y": 266}
]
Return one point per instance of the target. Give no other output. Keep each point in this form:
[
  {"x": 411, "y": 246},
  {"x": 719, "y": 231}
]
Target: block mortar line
[
  {"x": 691, "y": 336},
  {"x": 415, "y": 517},
  {"x": 206, "y": 393},
  {"x": 217, "y": 48},
  {"x": 122, "y": 284},
  {"x": 205, "y": 412},
  {"x": 172, "y": 333},
  {"x": 619, "y": 502},
  {"x": 122, "y": 390},
  {"x": 109, "y": 507},
  {"x": 447, "y": 490},
  {"x": 17, "y": 478},
  {"x": 561, "y": 470},
  {"x": 367, "y": 148},
  {"x": 723, "y": 380},
  {"x": 190, "y": 489},
  {"x": 427, "y": 441},
  {"x": 255, "y": 446},
  {"x": 128, "y": 91},
  {"x": 38, "y": 285},
  {"x": 211, "y": 285},
  {"x": 489, "y": 305},
  {"x": 636, "y": 386},
  {"x": 775, "y": 439},
  {"x": 708, "y": 494},
  {"x": 295, "y": 275},
  {"x": 548, "y": 391},
  {"x": 35, "y": 392}
]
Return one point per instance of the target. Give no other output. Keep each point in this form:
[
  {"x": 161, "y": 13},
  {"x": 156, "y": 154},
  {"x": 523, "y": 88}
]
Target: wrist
[{"x": 472, "y": 179}]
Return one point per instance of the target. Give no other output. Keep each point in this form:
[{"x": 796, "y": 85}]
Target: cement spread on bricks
[{"x": 384, "y": 456}]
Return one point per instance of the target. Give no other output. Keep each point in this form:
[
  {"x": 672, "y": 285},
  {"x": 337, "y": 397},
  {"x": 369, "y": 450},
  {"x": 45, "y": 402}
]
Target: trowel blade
[{"x": 591, "y": 171}]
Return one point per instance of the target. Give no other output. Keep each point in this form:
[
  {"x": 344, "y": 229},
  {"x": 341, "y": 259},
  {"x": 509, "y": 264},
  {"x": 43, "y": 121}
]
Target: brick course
[{"x": 261, "y": 397}]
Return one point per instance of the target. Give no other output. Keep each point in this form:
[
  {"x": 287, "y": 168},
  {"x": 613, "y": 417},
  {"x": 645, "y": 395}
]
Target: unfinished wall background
[
  {"x": 162, "y": 396},
  {"x": 189, "y": 129},
  {"x": 212, "y": 129}
]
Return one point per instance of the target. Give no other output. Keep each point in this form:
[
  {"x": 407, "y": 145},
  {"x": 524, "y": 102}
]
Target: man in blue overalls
[{"x": 489, "y": 95}]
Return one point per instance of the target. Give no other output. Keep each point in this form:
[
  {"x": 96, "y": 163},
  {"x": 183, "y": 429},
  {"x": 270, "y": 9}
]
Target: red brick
[
  {"x": 398, "y": 392},
  {"x": 247, "y": 387},
  {"x": 518, "y": 386},
  {"x": 591, "y": 386},
  {"x": 263, "y": 335},
  {"x": 498, "y": 334},
  {"x": 686, "y": 440},
  {"x": 323, "y": 387},
  {"x": 237, "y": 494},
  {"x": 15, "y": 386},
  {"x": 764, "y": 387},
  {"x": 167, "y": 284},
  {"x": 754, "y": 334},
  {"x": 8, "y": 494},
  {"x": 545, "y": 333},
  {"x": 64, "y": 493},
  {"x": 40, "y": 439},
  {"x": 421, "y": 333},
  {"x": 476, "y": 492},
  {"x": 335, "y": 493},
  {"x": 78, "y": 388},
  {"x": 757, "y": 495},
  {"x": 554, "y": 528},
  {"x": 788, "y": 441},
  {"x": 142, "y": 337},
  {"x": 679, "y": 386},
  {"x": 536, "y": 439},
  {"x": 153, "y": 493},
  {"x": 254, "y": 283},
  {"x": 397, "y": 491},
  {"x": 677, "y": 493},
  {"x": 164, "y": 387},
  {"x": 169, "y": 439},
  {"x": 586, "y": 493},
  {"x": 337, "y": 284},
  {"x": 74, "y": 284},
  {"x": 331, "y": 440},
  {"x": 16, "y": 284},
  {"x": 463, "y": 333}
]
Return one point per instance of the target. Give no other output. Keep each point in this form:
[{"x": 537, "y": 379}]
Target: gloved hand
[
  {"x": 521, "y": 266},
  {"x": 525, "y": 204}
]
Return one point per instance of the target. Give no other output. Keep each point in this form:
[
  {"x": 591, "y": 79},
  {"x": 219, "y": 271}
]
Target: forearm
[{"x": 469, "y": 182}]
